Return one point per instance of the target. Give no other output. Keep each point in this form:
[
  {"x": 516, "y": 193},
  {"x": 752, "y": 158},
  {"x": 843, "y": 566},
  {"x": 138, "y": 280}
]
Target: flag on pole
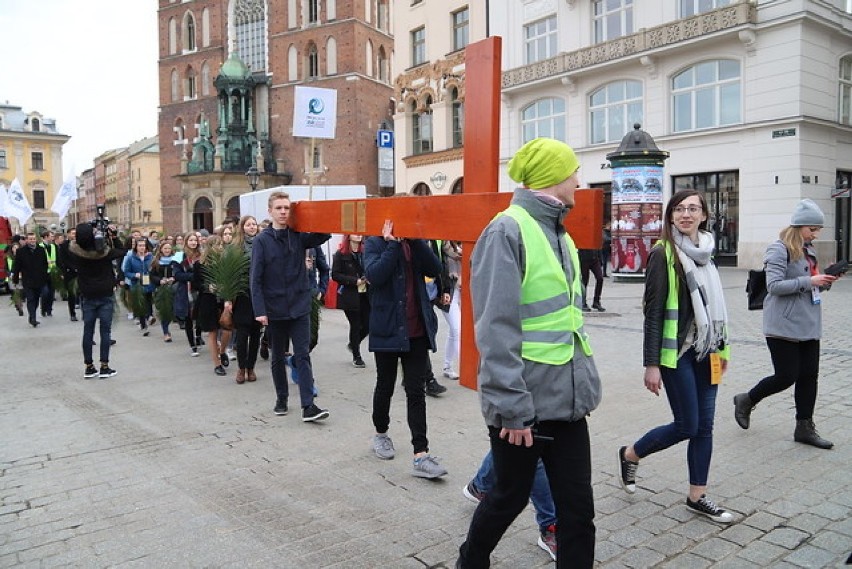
[
  {"x": 67, "y": 194},
  {"x": 17, "y": 205}
]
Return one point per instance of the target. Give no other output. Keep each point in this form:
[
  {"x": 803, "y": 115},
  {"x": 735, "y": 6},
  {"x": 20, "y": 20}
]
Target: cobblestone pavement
[{"x": 169, "y": 465}]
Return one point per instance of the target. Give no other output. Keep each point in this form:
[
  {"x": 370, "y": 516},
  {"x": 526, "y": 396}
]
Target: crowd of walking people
[{"x": 253, "y": 289}]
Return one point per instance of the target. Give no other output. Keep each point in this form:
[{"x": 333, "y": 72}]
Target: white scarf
[{"x": 705, "y": 290}]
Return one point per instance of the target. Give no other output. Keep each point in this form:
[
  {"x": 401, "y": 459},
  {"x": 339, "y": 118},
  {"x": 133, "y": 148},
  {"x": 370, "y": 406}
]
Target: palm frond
[
  {"x": 138, "y": 302},
  {"x": 164, "y": 302},
  {"x": 57, "y": 281},
  {"x": 316, "y": 306},
  {"x": 227, "y": 272}
]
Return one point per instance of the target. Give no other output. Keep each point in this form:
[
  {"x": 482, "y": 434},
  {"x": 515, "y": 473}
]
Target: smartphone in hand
[{"x": 837, "y": 269}]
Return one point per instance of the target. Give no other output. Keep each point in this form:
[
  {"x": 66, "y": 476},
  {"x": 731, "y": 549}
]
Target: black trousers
[
  {"x": 248, "y": 344},
  {"x": 567, "y": 461},
  {"x": 359, "y": 324},
  {"x": 795, "y": 363},
  {"x": 596, "y": 268},
  {"x": 413, "y": 372}
]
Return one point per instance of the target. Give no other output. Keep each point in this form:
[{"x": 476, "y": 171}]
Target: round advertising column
[{"x": 637, "y": 201}]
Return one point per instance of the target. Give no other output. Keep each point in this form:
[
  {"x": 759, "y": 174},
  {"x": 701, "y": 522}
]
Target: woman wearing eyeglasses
[
  {"x": 685, "y": 346},
  {"x": 792, "y": 322}
]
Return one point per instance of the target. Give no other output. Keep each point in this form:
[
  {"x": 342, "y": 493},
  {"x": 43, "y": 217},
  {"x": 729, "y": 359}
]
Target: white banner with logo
[
  {"x": 18, "y": 206},
  {"x": 66, "y": 195},
  {"x": 315, "y": 112}
]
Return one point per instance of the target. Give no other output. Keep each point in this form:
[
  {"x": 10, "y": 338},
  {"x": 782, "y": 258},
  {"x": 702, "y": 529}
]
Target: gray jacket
[
  {"x": 514, "y": 392},
  {"x": 789, "y": 311}
]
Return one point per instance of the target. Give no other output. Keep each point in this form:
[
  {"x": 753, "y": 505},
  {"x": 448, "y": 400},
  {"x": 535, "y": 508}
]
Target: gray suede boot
[
  {"x": 806, "y": 433},
  {"x": 742, "y": 409}
]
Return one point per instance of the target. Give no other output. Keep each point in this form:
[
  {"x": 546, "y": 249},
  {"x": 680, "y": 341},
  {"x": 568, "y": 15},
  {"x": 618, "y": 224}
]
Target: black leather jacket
[{"x": 654, "y": 306}]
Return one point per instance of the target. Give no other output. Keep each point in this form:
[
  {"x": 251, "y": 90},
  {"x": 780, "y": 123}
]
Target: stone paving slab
[{"x": 168, "y": 465}]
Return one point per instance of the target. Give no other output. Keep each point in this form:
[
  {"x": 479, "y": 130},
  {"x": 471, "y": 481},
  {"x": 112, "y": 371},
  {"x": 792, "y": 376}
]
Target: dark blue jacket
[
  {"x": 279, "y": 279},
  {"x": 385, "y": 270}
]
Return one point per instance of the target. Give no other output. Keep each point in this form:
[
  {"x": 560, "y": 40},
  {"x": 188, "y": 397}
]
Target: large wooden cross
[{"x": 460, "y": 217}]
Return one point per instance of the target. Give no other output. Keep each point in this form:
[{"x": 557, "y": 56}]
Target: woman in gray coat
[{"x": 792, "y": 322}]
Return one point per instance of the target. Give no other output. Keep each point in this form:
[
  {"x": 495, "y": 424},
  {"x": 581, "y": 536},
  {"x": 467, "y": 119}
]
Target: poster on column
[
  {"x": 315, "y": 112},
  {"x": 637, "y": 201}
]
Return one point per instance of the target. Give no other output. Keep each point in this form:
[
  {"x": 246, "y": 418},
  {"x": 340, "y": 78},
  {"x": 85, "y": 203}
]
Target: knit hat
[
  {"x": 807, "y": 213},
  {"x": 204, "y": 233},
  {"x": 543, "y": 162}
]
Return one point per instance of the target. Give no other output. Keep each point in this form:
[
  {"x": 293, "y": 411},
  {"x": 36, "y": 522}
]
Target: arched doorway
[
  {"x": 458, "y": 186},
  {"x": 202, "y": 214},
  {"x": 233, "y": 207}
]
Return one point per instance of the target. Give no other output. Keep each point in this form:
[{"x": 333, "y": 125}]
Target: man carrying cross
[{"x": 537, "y": 378}]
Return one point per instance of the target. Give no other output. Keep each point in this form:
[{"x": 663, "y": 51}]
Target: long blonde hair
[{"x": 792, "y": 238}]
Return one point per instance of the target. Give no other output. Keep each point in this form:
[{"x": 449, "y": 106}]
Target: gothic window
[
  {"x": 313, "y": 11},
  {"x": 292, "y": 63},
  {"x": 331, "y": 56},
  {"x": 249, "y": 19},
  {"x": 382, "y": 15},
  {"x": 189, "y": 32},
  {"x": 172, "y": 36},
  {"x": 190, "y": 86},
  {"x": 313, "y": 62},
  {"x": 369, "y": 58},
  {"x": 382, "y": 64},
  {"x": 205, "y": 28},
  {"x": 175, "y": 81},
  {"x": 331, "y": 9},
  {"x": 205, "y": 79}
]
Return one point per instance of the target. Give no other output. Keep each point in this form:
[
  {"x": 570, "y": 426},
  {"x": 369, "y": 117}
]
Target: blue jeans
[
  {"x": 693, "y": 401},
  {"x": 99, "y": 308},
  {"x": 542, "y": 499}
]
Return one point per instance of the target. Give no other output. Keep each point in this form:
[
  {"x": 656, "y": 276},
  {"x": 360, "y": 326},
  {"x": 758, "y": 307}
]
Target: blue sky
[{"x": 89, "y": 64}]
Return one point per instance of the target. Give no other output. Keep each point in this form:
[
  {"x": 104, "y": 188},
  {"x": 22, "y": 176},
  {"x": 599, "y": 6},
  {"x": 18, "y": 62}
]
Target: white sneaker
[
  {"x": 450, "y": 373},
  {"x": 232, "y": 355}
]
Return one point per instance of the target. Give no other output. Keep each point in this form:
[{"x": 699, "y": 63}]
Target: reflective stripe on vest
[
  {"x": 668, "y": 351},
  {"x": 551, "y": 312},
  {"x": 50, "y": 250}
]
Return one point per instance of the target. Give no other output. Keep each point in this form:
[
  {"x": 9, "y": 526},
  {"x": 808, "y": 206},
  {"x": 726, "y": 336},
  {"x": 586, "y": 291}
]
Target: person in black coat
[
  {"x": 31, "y": 269},
  {"x": 68, "y": 274},
  {"x": 402, "y": 329},
  {"x": 347, "y": 269}
]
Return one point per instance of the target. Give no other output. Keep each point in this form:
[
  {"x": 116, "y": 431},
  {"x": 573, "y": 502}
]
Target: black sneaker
[
  {"x": 358, "y": 362},
  {"x": 626, "y": 472},
  {"x": 219, "y": 370},
  {"x": 280, "y": 407},
  {"x": 224, "y": 359},
  {"x": 313, "y": 413},
  {"x": 73, "y": 318},
  {"x": 586, "y": 308},
  {"x": 106, "y": 372},
  {"x": 34, "y": 323},
  {"x": 90, "y": 372},
  {"x": 597, "y": 306},
  {"x": 434, "y": 388},
  {"x": 706, "y": 507}
]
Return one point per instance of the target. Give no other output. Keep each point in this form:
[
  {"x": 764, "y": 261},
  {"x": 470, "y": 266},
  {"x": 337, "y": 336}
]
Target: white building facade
[
  {"x": 752, "y": 99},
  {"x": 429, "y": 48}
]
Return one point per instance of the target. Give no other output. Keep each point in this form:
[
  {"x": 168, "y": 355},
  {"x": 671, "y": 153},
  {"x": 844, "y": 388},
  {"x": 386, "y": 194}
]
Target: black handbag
[{"x": 756, "y": 289}]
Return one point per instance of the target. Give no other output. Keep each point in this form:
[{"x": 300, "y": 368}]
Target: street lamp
[{"x": 253, "y": 175}]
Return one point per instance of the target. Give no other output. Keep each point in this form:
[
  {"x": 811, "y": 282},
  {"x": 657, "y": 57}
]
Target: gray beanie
[
  {"x": 807, "y": 213},
  {"x": 204, "y": 233}
]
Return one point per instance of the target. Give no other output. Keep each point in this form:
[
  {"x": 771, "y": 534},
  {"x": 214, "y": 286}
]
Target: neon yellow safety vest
[
  {"x": 50, "y": 249},
  {"x": 668, "y": 351},
  {"x": 551, "y": 311}
]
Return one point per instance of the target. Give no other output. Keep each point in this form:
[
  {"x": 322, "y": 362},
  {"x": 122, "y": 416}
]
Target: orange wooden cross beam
[{"x": 460, "y": 217}]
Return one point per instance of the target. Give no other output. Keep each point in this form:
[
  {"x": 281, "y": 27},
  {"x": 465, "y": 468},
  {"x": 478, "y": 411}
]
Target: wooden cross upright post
[{"x": 460, "y": 217}]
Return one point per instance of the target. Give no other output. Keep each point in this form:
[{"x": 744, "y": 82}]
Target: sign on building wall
[{"x": 315, "y": 112}]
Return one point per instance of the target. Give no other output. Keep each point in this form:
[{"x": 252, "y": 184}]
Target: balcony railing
[{"x": 721, "y": 19}]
